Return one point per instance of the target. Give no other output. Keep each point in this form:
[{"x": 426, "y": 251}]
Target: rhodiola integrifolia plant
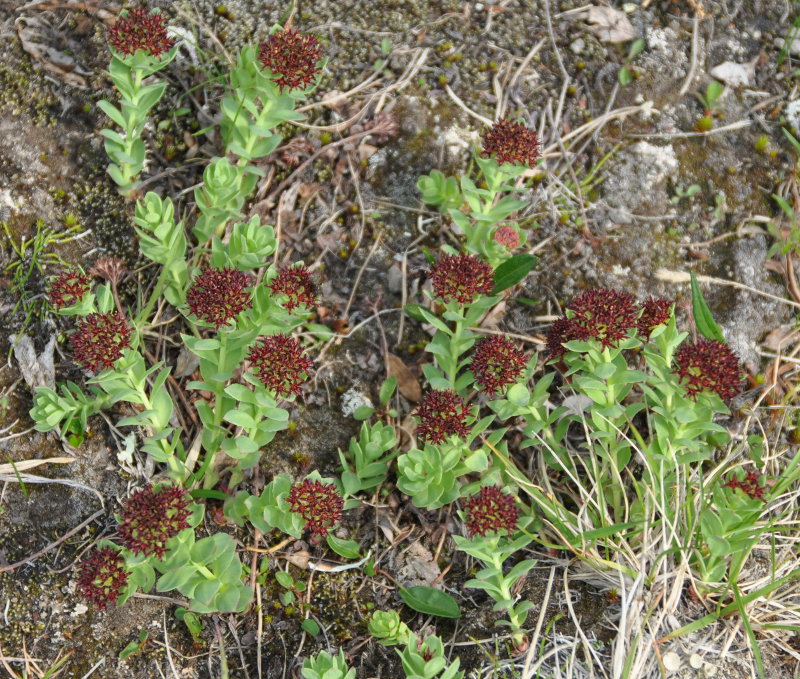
[
  {"x": 617, "y": 371},
  {"x": 156, "y": 533},
  {"x": 508, "y": 150}
]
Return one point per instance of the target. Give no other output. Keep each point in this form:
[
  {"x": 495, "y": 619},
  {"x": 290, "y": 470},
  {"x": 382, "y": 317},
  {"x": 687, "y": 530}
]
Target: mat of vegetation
[{"x": 384, "y": 339}]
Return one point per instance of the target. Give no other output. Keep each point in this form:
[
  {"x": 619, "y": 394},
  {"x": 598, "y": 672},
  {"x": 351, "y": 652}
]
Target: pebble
[
  {"x": 672, "y": 661},
  {"x": 578, "y": 45},
  {"x": 696, "y": 661}
]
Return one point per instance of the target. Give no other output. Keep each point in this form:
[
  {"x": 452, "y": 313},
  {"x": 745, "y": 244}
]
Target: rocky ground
[{"x": 629, "y": 195}]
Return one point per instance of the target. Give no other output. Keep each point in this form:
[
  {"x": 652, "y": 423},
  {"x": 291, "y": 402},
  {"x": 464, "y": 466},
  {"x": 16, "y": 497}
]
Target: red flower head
[
  {"x": 296, "y": 283},
  {"x": 68, "y": 288},
  {"x": 496, "y": 363},
  {"x": 491, "y": 511},
  {"x": 219, "y": 295},
  {"x": 511, "y": 143},
  {"x": 152, "y": 516},
  {"x": 604, "y": 314},
  {"x": 750, "y": 484},
  {"x": 507, "y": 236},
  {"x": 102, "y": 577},
  {"x": 140, "y": 30},
  {"x": 99, "y": 339},
  {"x": 292, "y": 57},
  {"x": 461, "y": 278},
  {"x": 655, "y": 312},
  {"x": 318, "y": 503},
  {"x": 441, "y": 414},
  {"x": 279, "y": 363},
  {"x": 708, "y": 365},
  {"x": 563, "y": 330}
]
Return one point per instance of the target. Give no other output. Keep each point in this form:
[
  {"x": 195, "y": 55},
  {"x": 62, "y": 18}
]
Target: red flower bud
[
  {"x": 99, "y": 339},
  {"x": 140, "y": 30},
  {"x": 564, "y": 330},
  {"x": 68, "y": 288},
  {"x": 511, "y": 143},
  {"x": 708, "y": 365},
  {"x": 491, "y": 511},
  {"x": 152, "y": 516},
  {"x": 291, "y": 57},
  {"x": 496, "y": 363},
  {"x": 318, "y": 503},
  {"x": 461, "y": 278},
  {"x": 750, "y": 484},
  {"x": 441, "y": 414},
  {"x": 102, "y": 577},
  {"x": 217, "y": 296},
  {"x": 507, "y": 236},
  {"x": 279, "y": 363}
]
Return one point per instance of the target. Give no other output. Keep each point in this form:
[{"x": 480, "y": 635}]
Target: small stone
[
  {"x": 710, "y": 669},
  {"x": 577, "y": 46},
  {"x": 353, "y": 399},
  {"x": 696, "y": 661},
  {"x": 672, "y": 661},
  {"x": 394, "y": 279}
]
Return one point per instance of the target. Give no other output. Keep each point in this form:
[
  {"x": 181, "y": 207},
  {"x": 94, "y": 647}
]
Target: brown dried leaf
[
  {"x": 32, "y": 35},
  {"x": 407, "y": 384}
]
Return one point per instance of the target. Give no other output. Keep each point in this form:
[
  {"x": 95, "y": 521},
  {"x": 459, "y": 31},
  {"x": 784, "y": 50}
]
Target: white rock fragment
[
  {"x": 672, "y": 661},
  {"x": 735, "y": 75},
  {"x": 353, "y": 399},
  {"x": 80, "y": 609},
  {"x": 696, "y": 661}
]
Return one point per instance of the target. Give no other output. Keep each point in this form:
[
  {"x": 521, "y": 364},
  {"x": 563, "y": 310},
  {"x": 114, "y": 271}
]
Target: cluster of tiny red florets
[
  {"x": 140, "y": 30},
  {"x": 151, "y": 516},
  {"x": 441, "y": 414},
  {"x": 68, "y": 288},
  {"x": 292, "y": 57},
  {"x": 318, "y": 503},
  {"x": 491, "y": 511},
  {"x": 708, "y": 365},
  {"x": 655, "y": 312},
  {"x": 750, "y": 484},
  {"x": 279, "y": 363},
  {"x": 510, "y": 142},
  {"x": 298, "y": 286},
  {"x": 602, "y": 314},
  {"x": 496, "y": 363},
  {"x": 507, "y": 236},
  {"x": 217, "y": 296},
  {"x": 102, "y": 577},
  {"x": 461, "y": 278},
  {"x": 99, "y": 339}
]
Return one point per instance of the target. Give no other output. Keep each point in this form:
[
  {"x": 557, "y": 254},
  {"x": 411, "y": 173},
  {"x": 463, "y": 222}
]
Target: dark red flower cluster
[
  {"x": 318, "y": 503},
  {"x": 655, "y": 312},
  {"x": 491, "y": 510},
  {"x": 140, "y": 30},
  {"x": 441, "y": 414},
  {"x": 708, "y": 365},
  {"x": 292, "y": 57},
  {"x": 600, "y": 313},
  {"x": 511, "y": 143},
  {"x": 496, "y": 363},
  {"x": 750, "y": 484},
  {"x": 461, "y": 278},
  {"x": 219, "y": 295},
  {"x": 152, "y": 516},
  {"x": 279, "y": 363},
  {"x": 298, "y": 286},
  {"x": 102, "y": 577},
  {"x": 507, "y": 236},
  {"x": 68, "y": 288},
  {"x": 99, "y": 339}
]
